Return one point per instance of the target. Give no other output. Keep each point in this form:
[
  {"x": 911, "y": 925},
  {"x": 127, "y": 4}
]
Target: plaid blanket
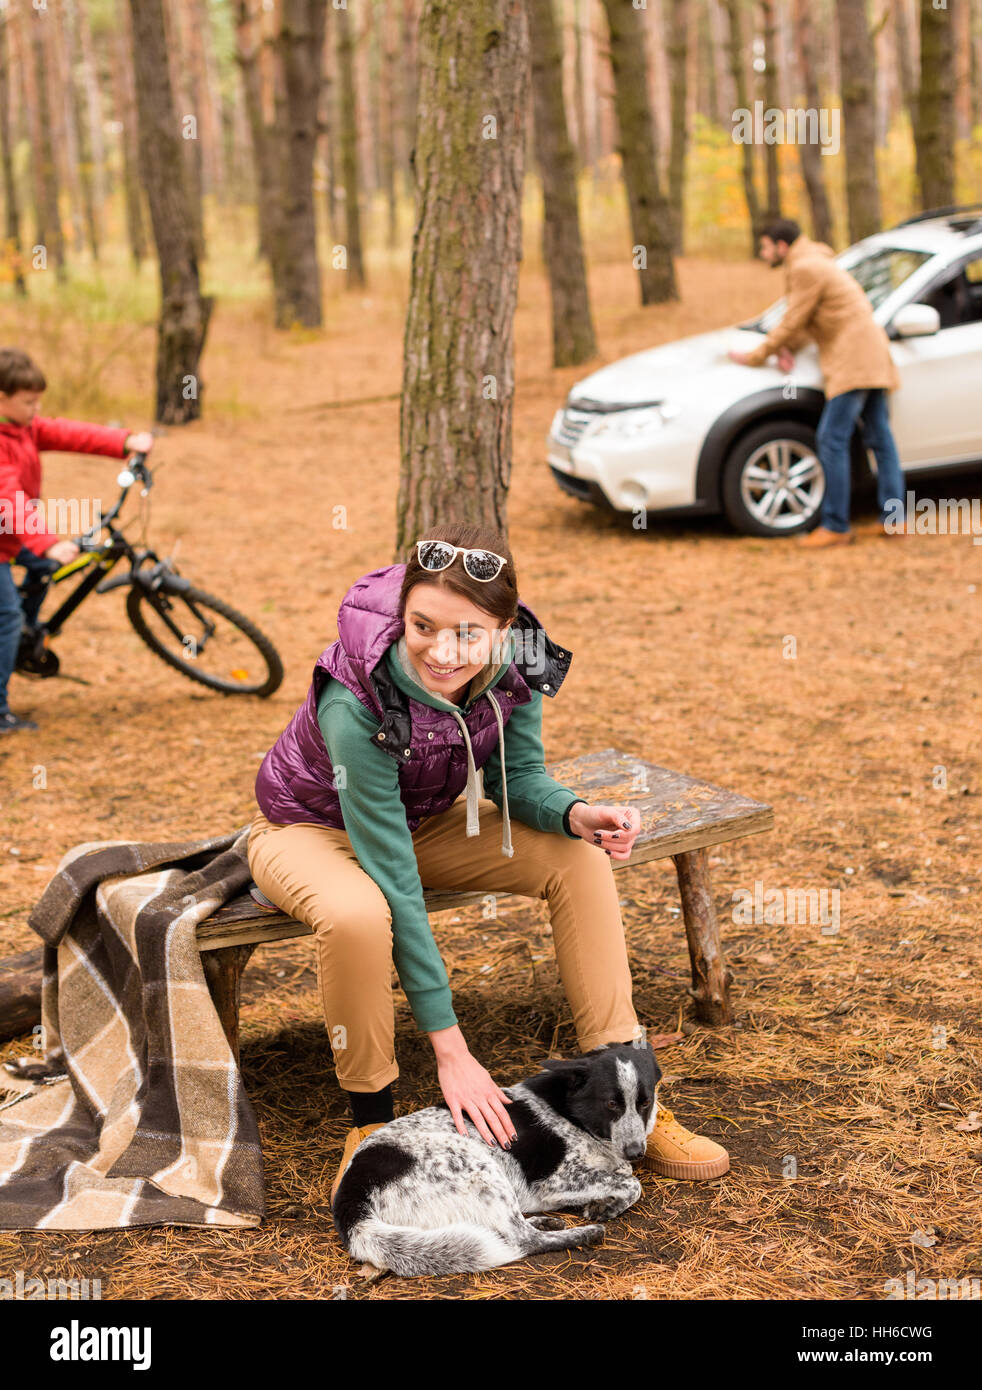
[{"x": 137, "y": 1115}]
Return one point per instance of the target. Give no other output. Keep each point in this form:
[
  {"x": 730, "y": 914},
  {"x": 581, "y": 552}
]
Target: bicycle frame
[{"x": 99, "y": 560}]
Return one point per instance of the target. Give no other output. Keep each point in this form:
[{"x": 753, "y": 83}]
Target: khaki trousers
[{"x": 313, "y": 873}]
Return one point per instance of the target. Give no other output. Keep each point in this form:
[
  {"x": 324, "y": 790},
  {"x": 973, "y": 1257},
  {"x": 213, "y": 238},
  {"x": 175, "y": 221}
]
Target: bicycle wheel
[{"x": 206, "y": 640}]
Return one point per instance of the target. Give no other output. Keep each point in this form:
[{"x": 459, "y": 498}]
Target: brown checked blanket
[{"x": 137, "y": 1114}]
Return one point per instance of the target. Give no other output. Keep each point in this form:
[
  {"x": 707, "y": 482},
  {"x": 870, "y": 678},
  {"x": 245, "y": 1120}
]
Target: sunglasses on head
[{"x": 483, "y": 565}]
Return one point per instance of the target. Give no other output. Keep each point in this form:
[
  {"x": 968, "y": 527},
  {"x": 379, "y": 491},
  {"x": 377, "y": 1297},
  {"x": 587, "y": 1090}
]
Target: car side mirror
[{"x": 915, "y": 321}]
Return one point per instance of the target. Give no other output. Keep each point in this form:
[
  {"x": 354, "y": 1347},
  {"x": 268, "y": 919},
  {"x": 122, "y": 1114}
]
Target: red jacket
[{"x": 20, "y": 472}]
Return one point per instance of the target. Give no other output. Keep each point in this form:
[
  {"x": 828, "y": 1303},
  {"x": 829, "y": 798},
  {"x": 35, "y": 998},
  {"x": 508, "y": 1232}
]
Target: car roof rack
[{"x": 930, "y": 213}]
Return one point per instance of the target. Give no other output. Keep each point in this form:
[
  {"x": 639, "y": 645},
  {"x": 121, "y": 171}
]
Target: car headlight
[{"x": 627, "y": 423}]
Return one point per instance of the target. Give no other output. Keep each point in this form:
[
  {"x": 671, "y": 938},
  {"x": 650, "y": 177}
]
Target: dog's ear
[{"x": 572, "y": 1070}]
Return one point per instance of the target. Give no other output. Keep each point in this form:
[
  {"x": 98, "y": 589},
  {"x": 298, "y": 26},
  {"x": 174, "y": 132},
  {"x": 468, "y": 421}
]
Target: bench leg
[
  {"x": 709, "y": 973},
  {"x": 223, "y": 972}
]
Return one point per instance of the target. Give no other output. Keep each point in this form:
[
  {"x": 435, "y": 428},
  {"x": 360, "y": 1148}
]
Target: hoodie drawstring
[{"x": 473, "y": 826}]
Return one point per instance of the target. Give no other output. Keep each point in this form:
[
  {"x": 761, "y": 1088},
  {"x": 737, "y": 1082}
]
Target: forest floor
[{"x": 844, "y": 1089}]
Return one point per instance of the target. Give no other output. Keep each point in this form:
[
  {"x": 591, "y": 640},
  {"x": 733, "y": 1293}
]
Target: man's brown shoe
[
  {"x": 821, "y": 538},
  {"x": 354, "y": 1138},
  {"x": 675, "y": 1152}
]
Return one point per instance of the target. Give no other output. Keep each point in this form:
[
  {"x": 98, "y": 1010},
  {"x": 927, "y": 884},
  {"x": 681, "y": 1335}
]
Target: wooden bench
[{"x": 681, "y": 817}]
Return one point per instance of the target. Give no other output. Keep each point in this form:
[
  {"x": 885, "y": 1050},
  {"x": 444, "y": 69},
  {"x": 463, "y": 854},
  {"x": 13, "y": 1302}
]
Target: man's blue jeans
[{"x": 835, "y": 430}]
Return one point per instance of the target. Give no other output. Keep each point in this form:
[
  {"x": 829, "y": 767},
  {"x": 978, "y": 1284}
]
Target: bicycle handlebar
[{"x": 136, "y": 466}]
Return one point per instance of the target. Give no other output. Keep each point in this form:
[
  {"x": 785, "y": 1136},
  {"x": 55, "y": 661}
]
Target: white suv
[{"x": 682, "y": 430}]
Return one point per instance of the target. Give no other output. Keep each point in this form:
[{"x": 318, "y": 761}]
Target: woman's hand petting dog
[
  {"x": 466, "y": 1085},
  {"x": 613, "y": 828}
]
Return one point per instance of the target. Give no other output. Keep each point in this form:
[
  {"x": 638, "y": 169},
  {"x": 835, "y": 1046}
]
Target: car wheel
[{"x": 773, "y": 483}]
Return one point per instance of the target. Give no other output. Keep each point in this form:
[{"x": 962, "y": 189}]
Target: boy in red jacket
[{"x": 23, "y": 537}]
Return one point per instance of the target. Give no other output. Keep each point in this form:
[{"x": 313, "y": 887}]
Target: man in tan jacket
[{"x": 826, "y": 304}]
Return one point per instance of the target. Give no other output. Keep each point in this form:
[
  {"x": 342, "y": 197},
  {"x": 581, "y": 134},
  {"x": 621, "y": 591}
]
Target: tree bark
[
  {"x": 809, "y": 154},
  {"x": 458, "y": 367},
  {"x": 80, "y": 119},
  {"x": 651, "y": 218},
  {"x": 183, "y": 83},
  {"x": 389, "y": 103},
  {"x": 20, "y": 993},
  {"x": 934, "y": 131},
  {"x": 93, "y": 103},
  {"x": 247, "y": 49},
  {"x": 49, "y": 233},
  {"x": 905, "y": 60},
  {"x": 678, "y": 62},
  {"x": 771, "y": 103},
  {"x": 296, "y": 271},
  {"x": 738, "y": 72},
  {"x": 856, "y": 67},
  {"x": 410, "y": 89},
  {"x": 13, "y": 252},
  {"x": 562, "y": 247},
  {"x": 124, "y": 98},
  {"x": 184, "y": 313},
  {"x": 330, "y": 126},
  {"x": 349, "y": 147}
]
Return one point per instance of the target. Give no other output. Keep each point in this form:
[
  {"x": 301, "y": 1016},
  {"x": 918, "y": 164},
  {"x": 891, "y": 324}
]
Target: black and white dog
[{"x": 420, "y": 1198}]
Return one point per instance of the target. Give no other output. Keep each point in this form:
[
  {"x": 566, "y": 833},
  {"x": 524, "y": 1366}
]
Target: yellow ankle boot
[{"x": 675, "y": 1152}]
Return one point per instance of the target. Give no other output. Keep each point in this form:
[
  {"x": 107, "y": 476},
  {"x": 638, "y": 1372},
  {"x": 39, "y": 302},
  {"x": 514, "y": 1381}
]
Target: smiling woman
[{"x": 439, "y": 672}]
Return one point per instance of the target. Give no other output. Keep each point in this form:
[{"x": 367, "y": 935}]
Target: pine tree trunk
[
  {"x": 562, "y": 247},
  {"x": 809, "y": 153},
  {"x": 124, "y": 98},
  {"x": 64, "y": 130},
  {"x": 389, "y": 102},
  {"x": 293, "y": 218},
  {"x": 184, "y": 313},
  {"x": 651, "y": 218},
  {"x": 207, "y": 96},
  {"x": 410, "y": 91},
  {"x": 329, "y": 123},
  {"x": 678, "y": 60},
  {"x": 93, "y": 104},
  {"x": 738, "y": 72},
  {"x": 82, "y": 126},
  {"x": 858, "y": 119},
  {"x": 934, "y": 133},
  {"x": 49, "y": 234},
  {"x": 771, "y": 103},
  {"x": 349, "y": 147},
  {"x": 905, "y": 60},
  {"x": 184, "y": 86},
  {"x": 247, "y": 47},
  {"x": 458, "y": 362},
  {"x": 13, "y": 253}
]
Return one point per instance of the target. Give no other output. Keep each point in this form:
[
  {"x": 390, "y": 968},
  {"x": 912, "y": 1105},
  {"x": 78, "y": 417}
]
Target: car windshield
[{"x": 880, "y": 272}]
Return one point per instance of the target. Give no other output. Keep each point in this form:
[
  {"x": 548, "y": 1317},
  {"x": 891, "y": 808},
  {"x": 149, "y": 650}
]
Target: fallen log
[{"x": 20, "y": 993}]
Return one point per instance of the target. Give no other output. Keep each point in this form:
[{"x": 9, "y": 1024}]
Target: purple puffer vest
[{"x": 296, "y": 779}]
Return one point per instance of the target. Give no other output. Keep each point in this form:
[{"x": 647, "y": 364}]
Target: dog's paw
[
  {"x": 591, "y": 1235},
  {"x": 547, "y": 1223},
  {"x": 602, "y": 1210}
]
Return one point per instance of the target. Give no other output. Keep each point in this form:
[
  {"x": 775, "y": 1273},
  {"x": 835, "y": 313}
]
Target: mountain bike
[{"x": 198, "y": 635}]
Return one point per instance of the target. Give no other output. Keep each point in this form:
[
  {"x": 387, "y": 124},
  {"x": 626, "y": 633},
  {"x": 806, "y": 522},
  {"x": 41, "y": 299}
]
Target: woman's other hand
[
  {"x": 613, "y": 828},
  {"x": 467, "y": 1086}
]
